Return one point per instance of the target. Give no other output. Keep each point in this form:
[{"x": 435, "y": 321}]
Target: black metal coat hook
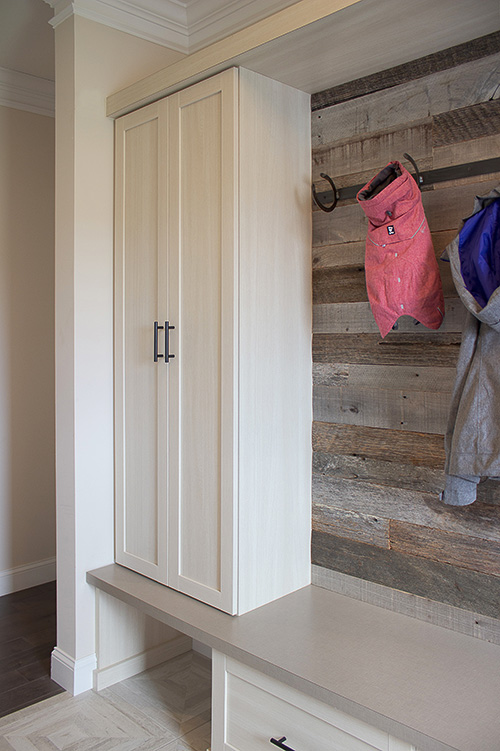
[
  {"x": 418, "y": 177},
  {"x": 335, "y": 194}
]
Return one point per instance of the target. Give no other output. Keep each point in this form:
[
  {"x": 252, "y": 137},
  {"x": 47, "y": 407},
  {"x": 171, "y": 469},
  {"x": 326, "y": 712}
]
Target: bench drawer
[{"x": 250, "y": 708}]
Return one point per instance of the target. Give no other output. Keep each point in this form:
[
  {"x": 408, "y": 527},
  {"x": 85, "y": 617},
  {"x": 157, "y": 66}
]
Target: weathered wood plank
[
  {"x": 467, "y": 84},
  {"x": 353, "y": 254},
  {"x": 371, "y": 152},
  {"x": 376, "y": 443},
  {"x": 473, "y": 553},
  {"x": 488, "y": 492},
  {"x": 406, "y": 505},
  {"x": 357, "y": 318},
  {"x": 401, "y": 74},
  {"x": 466, "y": 123},
  {"x": 420, "y": 411},
  {"x": 470, "y": 151},
  {"x": 369, "y": 349},
  {"x": 434, "y": 580},
  {"x": 396, "y": 377},
  {"x": 392, "y": 474},
  {"x": 354, "y": 526},
  {"x": 445, "y": 207},
  {"x": 347, "y": 284}
]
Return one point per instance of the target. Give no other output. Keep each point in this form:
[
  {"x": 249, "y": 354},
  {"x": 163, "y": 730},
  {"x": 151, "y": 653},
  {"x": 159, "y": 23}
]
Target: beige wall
[
  {"x": 92, "y": 61},
  {"x": 27, "y": 503}
]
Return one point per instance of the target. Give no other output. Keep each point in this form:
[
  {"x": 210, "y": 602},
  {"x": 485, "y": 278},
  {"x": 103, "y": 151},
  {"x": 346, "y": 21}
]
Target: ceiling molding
[
  {"x": 24, "y": 92},
  {"x": 181, "y": 25}
]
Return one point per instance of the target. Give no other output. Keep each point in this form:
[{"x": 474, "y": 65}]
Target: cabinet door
[
  {"x": 140, "y": 383},
  {"x": 202, "y": 273}
]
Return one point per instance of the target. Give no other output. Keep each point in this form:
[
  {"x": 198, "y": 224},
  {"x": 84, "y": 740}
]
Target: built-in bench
[{"x": 427, "y": 685}]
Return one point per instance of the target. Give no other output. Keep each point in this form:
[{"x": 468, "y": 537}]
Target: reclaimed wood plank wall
[{"x": 381, "y": 406}]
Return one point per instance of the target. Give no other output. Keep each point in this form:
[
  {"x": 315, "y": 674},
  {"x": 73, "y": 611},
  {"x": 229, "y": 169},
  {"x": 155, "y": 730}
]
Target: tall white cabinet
[{"x": 213, "y": 340}]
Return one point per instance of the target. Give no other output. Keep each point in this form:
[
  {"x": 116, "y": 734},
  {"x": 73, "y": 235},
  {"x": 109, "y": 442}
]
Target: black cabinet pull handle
[
  {"x": 168, "y": 328},
  {"x": 156, "y": 355},
  {"x": 279, "y": 742}
]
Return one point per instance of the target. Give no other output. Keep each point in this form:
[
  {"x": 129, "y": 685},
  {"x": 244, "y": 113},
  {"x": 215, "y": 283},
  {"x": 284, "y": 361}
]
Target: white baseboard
[
  {"x": 24, "y": 577},
  {"x": 112, "y": 674},
  {"x": 73, "y": 675}
]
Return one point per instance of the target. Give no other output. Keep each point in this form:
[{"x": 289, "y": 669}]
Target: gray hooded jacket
[{"x": 472, "y": 440}]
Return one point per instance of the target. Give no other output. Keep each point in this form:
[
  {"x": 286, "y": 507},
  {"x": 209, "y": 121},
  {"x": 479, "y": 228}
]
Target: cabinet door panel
[
  {"x": 201, "y": 297},
  {"x": 140, "y": 386}
]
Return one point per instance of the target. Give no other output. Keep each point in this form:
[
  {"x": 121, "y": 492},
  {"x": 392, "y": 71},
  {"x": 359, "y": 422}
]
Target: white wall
[
  {"x": 92, "y": 61},
  {"x": 27, "y": 501}
]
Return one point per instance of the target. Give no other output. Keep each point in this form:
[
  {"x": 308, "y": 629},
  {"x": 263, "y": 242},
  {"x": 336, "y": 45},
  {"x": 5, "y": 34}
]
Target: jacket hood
[{"x": 474, "y": 257}]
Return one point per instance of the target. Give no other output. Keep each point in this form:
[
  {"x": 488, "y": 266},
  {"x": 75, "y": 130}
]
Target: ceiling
[{"x": 26, "y": 38}]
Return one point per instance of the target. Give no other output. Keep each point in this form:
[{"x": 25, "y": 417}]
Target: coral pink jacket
[{"x": 402, "y": 275}]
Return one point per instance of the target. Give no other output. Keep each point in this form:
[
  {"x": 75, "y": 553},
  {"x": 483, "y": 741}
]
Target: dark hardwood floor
[{"x": 27, "y": 637}]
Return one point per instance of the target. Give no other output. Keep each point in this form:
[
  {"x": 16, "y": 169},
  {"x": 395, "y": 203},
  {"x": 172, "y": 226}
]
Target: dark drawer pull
[{"x": 279, "y": 742}]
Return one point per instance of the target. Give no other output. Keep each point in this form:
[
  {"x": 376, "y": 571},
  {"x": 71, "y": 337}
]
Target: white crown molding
[
  {"x": 181, "y": 25},
  {"x": 24, "y": 92},
  {"x": 160, "y": 21}
]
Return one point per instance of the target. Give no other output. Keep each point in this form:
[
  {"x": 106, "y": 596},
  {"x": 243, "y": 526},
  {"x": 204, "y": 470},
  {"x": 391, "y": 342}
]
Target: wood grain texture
[
  {"x": 466, "y": 123},
  {"x": 464, "y": 551},
  {"x": 424, "y": 66},
  {"x": 420, "y": 411},
  {"x": 404, "y": 104},
  {"x": 357, "y": 318},
  {"x": 361, "y": 527},
  {"x": 369, "y": 349},
  {"x": 434, "y": 580},
  {"x": 404, "y": 504},
  {"x": 420, "y": 449},
  {"x": 353, "y": 253},
  {"x": 396, "y": 377}
]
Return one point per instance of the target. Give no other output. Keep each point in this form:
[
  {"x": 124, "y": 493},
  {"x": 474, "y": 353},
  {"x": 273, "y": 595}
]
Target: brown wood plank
[
  {"x": 419, "y": 449},
  {"x": 370, "y": 153},
  {"x": 434, "y": 580},
  {"x": 414, "y": 101},
  {"x": 423, "y": 66},
  {"x": 397, "y": 377},
  {"x": 419, "y": 411},
  {"x": 357, "y": 318},
  {"x": 449, "y": 547},
  {"x": 427, "y": 349},
  {"x": 354, "y": 526},
  {"x": 488, "y": 492},
  {"x": 466, "y": 123},
  {"x": 405, "y": 505},
  {"x": 338, "y": 285},
  {"x": 468, "y": 151},
  {"x": 393, "y": 474}
]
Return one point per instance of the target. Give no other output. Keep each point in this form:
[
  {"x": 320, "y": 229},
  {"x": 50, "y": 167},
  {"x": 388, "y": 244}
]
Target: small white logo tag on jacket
[{"x": 391, "y": 230}]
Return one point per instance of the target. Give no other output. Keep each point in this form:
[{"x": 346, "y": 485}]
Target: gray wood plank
[
  {"x": 469, "y": 151},
  {"x": 466, "y": 123},
  {"x": 405, "y": 505},
  {"x": 418, "y": 411},
  {"x": 427, "y": 349},
  {"x": 371, "y": 152},
  {"x": 357, "y": 318},
  {"x": 434, "y": 580},
  {"x": 462, "y": 86},
  {"x": 465, "y": 551},
  {"x": 353, "y": 254},
  {"x": 349, "y": 524},
  {"x": 397, "y": 377},
  {"x": 419, "y": 449},
  {"x": 424, "y": 66},
  {"x": 390, "y": 473}
]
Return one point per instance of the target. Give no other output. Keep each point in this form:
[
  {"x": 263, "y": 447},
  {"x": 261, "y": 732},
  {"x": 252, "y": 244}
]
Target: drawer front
[{"x": 257, "y": 708}]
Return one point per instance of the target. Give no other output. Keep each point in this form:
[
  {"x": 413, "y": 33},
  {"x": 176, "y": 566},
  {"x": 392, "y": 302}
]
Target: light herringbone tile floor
[{"x": 165, "y": 708}]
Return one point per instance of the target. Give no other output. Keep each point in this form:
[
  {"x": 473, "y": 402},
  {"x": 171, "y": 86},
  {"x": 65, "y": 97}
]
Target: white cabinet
[
  {"x": 249, "y": 708},
  {"x": 213, "y": 215}
]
